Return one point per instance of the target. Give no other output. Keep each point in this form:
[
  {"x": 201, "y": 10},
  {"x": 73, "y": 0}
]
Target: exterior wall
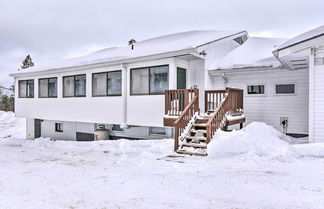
[
  {"x": 270, "y": 107},
  {"x": 85, "y": 109},
  {"x": 147, "y": 110},
  {"x": 318, "y": 97},
  {"x": 141, "y": 132},
  {"x": 70, "y": 129}
]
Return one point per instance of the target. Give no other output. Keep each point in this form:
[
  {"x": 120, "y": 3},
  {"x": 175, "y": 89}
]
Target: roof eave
[{"x": 243, "y": 70}]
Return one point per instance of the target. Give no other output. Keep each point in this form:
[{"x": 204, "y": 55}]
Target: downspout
[{"x": 124, "y": 96}]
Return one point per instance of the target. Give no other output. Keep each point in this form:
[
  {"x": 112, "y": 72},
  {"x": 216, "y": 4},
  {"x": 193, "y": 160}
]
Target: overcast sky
[{"x": 50, "y": 30}]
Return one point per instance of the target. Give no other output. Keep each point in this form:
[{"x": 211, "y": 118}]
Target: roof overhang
[
  {"x": 218, "y": 72},
  {"x": 296, "y": 56}
]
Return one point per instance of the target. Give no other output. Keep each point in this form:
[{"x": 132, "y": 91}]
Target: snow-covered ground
[{"x": 251, "y": 168}]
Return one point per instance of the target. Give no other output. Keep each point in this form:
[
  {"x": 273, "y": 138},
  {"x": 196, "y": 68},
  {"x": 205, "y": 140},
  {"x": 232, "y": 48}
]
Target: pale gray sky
[{"x": 66, "y": 28}]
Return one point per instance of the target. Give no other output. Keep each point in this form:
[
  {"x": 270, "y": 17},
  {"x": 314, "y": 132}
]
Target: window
[
  {"x": 26, "y": 89},
  {"x": 99, "y": 84},
  {"x": 158, "y": 130},
  {"x": 114, "y": 83},
  {"x": 151, "y": 80},
  {"x": 140, "y": 81},
  {"x": 255, "y": 89},
  {"x": 74, "y": 86},
  {"x": 59, "y": 127},
  {"x": 107, "y": 83},
  {"x": 285, "y": 88},
  {"x": 47, "y": 87},
  {"x": 116, "y": 128}
]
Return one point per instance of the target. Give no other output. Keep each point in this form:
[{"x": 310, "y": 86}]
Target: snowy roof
[
  {"x": 255, "y": 52},
  {"x": 154, "y": 46},
  {"x": 319, "y": 31}
]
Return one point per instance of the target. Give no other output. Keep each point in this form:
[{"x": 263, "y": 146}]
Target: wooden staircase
[{"x": 194, "y": 131}]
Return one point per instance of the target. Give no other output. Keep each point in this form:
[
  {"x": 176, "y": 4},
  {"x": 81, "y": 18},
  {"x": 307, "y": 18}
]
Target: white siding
[
  {"x": 69, "y": 130},
  {"x": 85, "y": 109},
  {"x": 318, "y": 124},
  {"x": 141, "y": 132},
  {"x": 270, "y": 107}
]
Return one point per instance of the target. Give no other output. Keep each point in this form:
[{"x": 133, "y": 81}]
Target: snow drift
[
  {"x": 260, "y": 140},
  {"x": 11, "y": 126}
]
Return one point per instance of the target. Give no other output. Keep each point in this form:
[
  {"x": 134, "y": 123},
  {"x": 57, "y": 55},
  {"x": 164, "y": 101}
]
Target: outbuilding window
[
  {"x": 150, "y": 80},
  {"x": 47, "y": 87},
  {"x": 107, "y": 83},
  {"x": 74, "y": 86},
  {"x": 255, "y": 89},
  {"x": 26, "y": 89},
  {"x": 285, "y": 88},
  {"x": 59, "y": 127}
]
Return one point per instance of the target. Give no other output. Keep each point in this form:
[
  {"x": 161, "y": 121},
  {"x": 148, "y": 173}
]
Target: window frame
[
  {"x": 106, "y": 75},
  {"x": 122, "y": 130},
  {"x": 157, "y": 134},
  {"x": 285, "y": 94},
  {"x": 149, "y": 80},
  {"x": 19, "y": 95},
  {"x": 74, "y": 89},
  {"x": 60, "y": 126},
  {"x": 47, "y": 87},
  {"x": 256, "y": 95}
]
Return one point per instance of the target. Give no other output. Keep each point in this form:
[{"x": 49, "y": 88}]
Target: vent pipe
[{"x": 131, "y": 43}]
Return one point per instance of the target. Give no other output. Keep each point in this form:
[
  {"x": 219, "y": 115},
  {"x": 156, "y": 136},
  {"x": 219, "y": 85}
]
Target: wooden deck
[{"x": 183, "y": 113}]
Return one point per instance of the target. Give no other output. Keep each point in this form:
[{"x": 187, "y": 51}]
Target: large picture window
[
  {"x": 74, "y": 86},
  {"x": 150, "y": 80},
  {"x": 47, "y": 87},
  {"x": 26, "y": 89},
  {"x": 107, "y": 83}
]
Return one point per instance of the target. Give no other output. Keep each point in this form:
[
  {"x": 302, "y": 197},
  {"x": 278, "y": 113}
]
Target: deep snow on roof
[
  {"x": 254, "y": 52},
  {"x": 158, "y": 45},
  {"x": 302, "y": 37}
]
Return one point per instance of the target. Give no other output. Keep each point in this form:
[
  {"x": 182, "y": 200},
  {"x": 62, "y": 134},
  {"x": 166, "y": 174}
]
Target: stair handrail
[
  {"x": 232, "y": 101},
  {"x": 182, "y": 121}
]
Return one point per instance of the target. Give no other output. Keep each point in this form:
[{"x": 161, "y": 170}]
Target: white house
[
  {"x": 117, "y": 86},
  {"x": 124, "y": 87}
]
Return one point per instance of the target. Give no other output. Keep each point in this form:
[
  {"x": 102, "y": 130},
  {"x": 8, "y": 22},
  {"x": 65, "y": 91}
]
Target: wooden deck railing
[
  {"x": 184, "y": 119},
  {"x": 213, "y": 98},
  {"x": 232, "y": 102},
  {"x": 177, "y": 100}
]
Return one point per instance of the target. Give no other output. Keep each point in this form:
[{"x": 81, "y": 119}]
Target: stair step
[
  {"x": 195, "y": 145},
  {"x": 200, "y": 124},
  {"x": 198, "y": 131},
  {"x": 203, "y": 120},
  {"x": 191, "y": 153},
  {"x": 201, "y": 138}
]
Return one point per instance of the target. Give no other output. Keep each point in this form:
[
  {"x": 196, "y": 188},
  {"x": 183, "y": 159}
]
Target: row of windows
[
  {"x": 144, "y": 81},
  {"x": 280, "y": 89}
]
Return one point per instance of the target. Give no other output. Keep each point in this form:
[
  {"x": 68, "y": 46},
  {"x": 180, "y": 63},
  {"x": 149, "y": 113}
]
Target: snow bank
[
  {"x": 256, "y": 139},
  {"x": 261, "y": 140},
  {"x": 315, "y": 150},
  {"x": 11, "y": 126}
]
